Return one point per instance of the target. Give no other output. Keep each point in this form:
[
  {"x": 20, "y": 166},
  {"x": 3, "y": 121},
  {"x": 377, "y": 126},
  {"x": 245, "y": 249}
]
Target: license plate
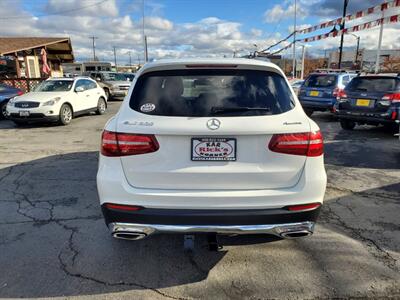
[
  {"x": 215, "y": 149},
  {"x": 362, "y": 102},
  {"x": 314, "y": 93},
  {"x": 24, "y": 113}
]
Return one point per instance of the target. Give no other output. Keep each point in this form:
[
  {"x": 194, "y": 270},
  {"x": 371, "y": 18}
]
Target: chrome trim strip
[{"x": 281, "y": 230}]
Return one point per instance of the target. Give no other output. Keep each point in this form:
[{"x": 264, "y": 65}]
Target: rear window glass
[
  {"x": 321, "y": 81},
  {"x": 373, "y": 84},
  {"x": 204, "y": 93}
]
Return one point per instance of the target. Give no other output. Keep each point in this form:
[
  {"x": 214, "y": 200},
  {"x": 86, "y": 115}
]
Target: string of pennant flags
[
  {"x": 357, "y": 15},
  {"x": 337, "y": 33}
]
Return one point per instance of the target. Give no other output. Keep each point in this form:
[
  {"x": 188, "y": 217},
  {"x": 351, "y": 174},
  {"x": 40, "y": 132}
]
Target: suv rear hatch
[
  {"x": 190, "y": 111},
  {"x": 319, "y": 87},
  {"x": 370, "y": 93}
]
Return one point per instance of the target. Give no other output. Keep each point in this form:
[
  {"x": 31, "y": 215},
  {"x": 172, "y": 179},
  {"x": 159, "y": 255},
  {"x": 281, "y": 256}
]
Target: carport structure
[{"x": 29, "y": 57}]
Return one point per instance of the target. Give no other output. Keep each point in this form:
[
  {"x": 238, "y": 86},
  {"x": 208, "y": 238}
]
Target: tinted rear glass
[
  {"x": 204, "y": 93},
  {"x": 321, "y": 81},
  {"x": 373, "y": 84}
]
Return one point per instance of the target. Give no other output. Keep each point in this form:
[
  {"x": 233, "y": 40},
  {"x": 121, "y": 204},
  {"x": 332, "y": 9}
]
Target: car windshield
[
  {"x": 320, "y": 81},
  {"x": 203, "y": 93},
  {"x": 114, "y": 77},
  {"x": 129, "y": 77},
  {"x": 55, "y": 86},
  {"x": 373, "y": 84}
]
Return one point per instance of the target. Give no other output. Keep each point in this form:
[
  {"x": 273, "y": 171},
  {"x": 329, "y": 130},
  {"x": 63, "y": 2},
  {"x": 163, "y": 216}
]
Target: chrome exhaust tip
[
  {"x": 126, "y": 235},
  {"x": 296, "y": 234}
]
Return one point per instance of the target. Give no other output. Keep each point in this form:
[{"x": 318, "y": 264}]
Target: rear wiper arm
[{"x": 220, "y": 109}]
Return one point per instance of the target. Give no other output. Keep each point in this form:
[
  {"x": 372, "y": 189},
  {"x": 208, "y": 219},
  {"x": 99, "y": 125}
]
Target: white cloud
[{"x": 281, "y": 12}]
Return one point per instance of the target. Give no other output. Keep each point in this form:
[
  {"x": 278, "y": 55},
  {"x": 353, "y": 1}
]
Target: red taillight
[
  {"x": 123, "y": 207},
  {"x": 19, "y": 93},
  {"x": 122, "y": 144},
  {"x": 303, "y": 207},
  {"x": 304, "y": 143},
  {"x": 394, "y": 115},
  {"x": 339, "y": 93},
  {"x": 394, "y": 98}
]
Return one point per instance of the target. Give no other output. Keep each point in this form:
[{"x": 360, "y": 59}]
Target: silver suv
[{"x": 115, "y": 85}]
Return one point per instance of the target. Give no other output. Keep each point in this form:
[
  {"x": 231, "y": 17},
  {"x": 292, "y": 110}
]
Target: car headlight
[
  {"x": 52, "y": 101},
  {"x": 11, "y": 102}
]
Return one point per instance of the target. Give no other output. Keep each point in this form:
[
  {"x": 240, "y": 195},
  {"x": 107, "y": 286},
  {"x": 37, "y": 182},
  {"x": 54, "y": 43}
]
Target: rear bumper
[
  {"x": 366, "y": 118},
  {"x": 317, "y": 104},
  {"x": 209, "y": 217}
]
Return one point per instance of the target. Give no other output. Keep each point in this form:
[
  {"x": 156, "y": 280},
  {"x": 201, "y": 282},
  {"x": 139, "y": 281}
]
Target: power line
[{"x": 57, "y": 12}]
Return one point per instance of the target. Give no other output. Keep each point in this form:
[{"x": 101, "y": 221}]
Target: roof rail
[{"x": 334, "y": 71}]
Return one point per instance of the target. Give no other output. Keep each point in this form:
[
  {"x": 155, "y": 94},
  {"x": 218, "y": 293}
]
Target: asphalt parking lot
[{"x": 54, "y": 243}]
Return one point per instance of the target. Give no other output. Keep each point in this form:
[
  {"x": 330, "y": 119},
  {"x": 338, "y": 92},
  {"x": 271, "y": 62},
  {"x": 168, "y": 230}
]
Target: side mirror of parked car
[{"x": 79, "y": 89}]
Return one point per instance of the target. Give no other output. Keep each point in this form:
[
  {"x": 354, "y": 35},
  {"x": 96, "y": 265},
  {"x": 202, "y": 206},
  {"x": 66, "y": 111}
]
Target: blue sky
[{"x": 177, "y": 28}]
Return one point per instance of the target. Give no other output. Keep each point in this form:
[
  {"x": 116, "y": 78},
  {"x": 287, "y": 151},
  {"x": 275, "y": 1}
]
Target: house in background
[{"x": 34, "y": 57}]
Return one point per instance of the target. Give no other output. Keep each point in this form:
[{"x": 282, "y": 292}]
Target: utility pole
[
  {"x": 303, "y": 55},
  {"x": 345, "y": 3},
  {"x": 378, "y": 52},
  {"x": 294, "y": 39},
  {"x": 94, "y": 46},
  {"x": 130, "y": 58},
  {"x": 144, "y": 36},
  {"x": 115, "y": 58},
  {"x": 146, "y": 55}
]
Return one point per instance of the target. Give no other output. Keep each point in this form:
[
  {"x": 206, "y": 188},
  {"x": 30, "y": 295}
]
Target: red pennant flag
[
  {"x": 371, "y": 9},
  {"x": 384, "y": 6},
  {"x": 394, "y": 19},
  {"x": 397, "y": 3}
]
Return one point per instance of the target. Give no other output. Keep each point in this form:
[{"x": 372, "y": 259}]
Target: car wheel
[
  {"x": 107, "y": 92},
  {"x": 347, "y": 125},
  {"x": 308, "y": 112},
  {"x": 101, "y": 106},
  {"x": 392, "y": 128},
  {"x": 3, "y": 111},
  {"x": 65, "y": 114}
]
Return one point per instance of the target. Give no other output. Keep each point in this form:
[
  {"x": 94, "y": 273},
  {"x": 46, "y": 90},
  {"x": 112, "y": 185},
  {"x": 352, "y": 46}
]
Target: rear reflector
[
  {"x": 123, "y": 144},
  {"x": 303, "y": 207},
  {"x": 123, "y": 207},
  {"x": 304, "y": 143}
]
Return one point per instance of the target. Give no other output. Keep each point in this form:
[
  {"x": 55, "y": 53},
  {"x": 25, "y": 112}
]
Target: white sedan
[
  {"x": 58, "y": 100},
  {"x": 216, "y": 146}
]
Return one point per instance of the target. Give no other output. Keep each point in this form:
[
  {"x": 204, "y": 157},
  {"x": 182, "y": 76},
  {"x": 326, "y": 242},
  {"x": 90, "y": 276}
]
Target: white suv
[
  {"x": 58, "y": 100},
  {"x": 217, "y": 146}
]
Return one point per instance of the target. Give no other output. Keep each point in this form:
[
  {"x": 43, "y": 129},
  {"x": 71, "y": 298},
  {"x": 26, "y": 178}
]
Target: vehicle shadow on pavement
[{"x": 53, "y": 242}]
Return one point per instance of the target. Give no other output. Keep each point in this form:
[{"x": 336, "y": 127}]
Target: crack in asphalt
[
  {"x": 366, "y": 194},
  {"x": 384, "y": 256},
  {"x": 75, "y": 253}
]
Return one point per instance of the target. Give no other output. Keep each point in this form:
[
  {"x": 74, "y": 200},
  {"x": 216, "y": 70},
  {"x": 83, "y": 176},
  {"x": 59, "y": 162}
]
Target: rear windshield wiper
[{"x": 221, "y": 109}]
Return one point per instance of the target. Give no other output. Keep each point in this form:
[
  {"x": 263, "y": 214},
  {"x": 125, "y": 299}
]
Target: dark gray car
[{"x": 6, "y": 93}]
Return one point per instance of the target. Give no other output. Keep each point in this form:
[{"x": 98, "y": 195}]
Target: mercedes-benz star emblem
[{"x": 213, "y": 124}]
